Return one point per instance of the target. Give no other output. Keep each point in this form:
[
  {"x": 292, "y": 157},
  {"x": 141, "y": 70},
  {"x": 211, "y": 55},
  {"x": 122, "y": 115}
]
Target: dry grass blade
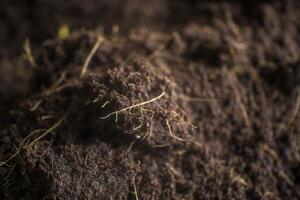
[
  {"x": 90, "y": 56},
  {"x": 28, "y": 53}
]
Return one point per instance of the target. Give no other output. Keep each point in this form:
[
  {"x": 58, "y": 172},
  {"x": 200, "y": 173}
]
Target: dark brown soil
[{"x": 182, "y": 100}]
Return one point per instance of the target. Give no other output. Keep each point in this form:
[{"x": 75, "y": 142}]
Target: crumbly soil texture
[{"x": 142, "y": 100}]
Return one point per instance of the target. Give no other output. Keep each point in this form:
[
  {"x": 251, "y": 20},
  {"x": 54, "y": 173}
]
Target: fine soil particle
[{"x": 200, "y": 104}]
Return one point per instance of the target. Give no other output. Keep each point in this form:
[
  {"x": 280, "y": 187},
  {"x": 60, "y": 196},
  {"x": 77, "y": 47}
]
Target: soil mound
[{"x": 203, "y": 104}]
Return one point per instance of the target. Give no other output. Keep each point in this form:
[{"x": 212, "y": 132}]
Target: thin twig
[{"x": 90, "y": 56}]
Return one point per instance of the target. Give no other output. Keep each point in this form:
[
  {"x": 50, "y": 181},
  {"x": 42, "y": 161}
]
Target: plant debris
[{"x": 157, "y": 100}]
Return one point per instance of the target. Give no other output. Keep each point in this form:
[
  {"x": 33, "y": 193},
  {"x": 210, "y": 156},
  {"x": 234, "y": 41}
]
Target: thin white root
[
  {"x": 59, "y": 81},
  {"x": 134, "y": 106},
  {"x": 106, "y": 102},
  {"x": 171, "y": 133},
  {"x": 10, "y": 158},
  {"x": 90, "y": 56},
  {"x": 237, "y": 178},
  {"x": 24, "y": 145},
  {"x": 130, "y": 146},
  {"x": 47, "y": 131},
  {"x": 138, "y": 127},
  {"x": 174, "y": 171},
  {"x": 143, "y": 124},
  {"x": 36, "y": 105}
]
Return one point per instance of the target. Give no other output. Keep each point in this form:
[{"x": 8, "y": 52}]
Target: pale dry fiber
[{"x": 201, "y": 92}]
